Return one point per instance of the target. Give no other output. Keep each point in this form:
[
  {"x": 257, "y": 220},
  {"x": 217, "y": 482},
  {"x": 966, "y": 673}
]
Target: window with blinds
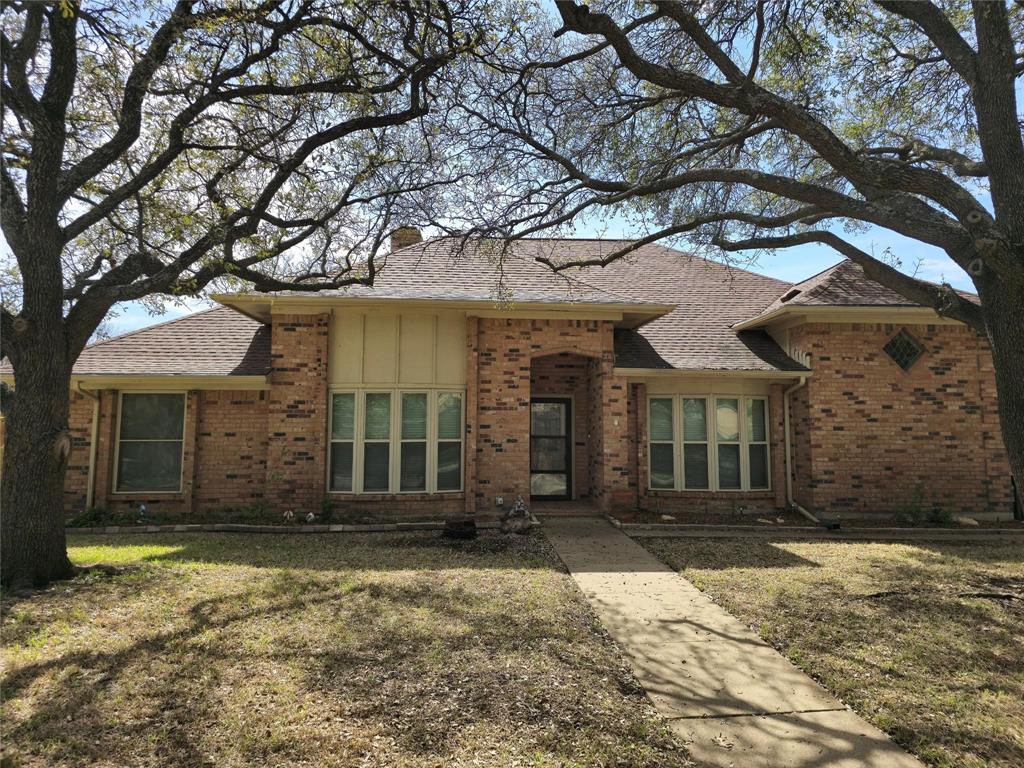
[
  {"x": 708, "y": 443},
  {"x": 396, "y": 441},
  {"x": 149, "y": 442}
]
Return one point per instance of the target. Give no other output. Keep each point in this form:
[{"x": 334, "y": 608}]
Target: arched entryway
[{"x": 564, "y": 428}]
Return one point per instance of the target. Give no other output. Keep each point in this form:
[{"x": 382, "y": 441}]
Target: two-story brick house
[{"x": 661, "y": 381}]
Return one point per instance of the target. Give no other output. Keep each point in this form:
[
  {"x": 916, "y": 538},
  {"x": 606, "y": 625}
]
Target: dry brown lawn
[
  {"x": 926, "y": 641},
  {"x": 334, "y": 650}
]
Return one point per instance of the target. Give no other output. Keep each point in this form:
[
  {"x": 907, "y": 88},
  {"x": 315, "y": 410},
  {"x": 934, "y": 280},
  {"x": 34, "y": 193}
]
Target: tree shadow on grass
[
  {"x": 335, "y": 552},
  {"x": 724, "y": 554},
  {"x": 306, "y": 667}
]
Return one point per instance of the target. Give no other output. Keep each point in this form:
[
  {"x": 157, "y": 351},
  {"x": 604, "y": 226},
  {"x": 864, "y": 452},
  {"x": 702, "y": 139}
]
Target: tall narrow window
[
  {"x": 449, "y": 441},
  {"x": 727, "y": 428},
  {"x": 695, "y": 443},
  {"x": 413, "y": 455},
  {"x": 757, "y": 443},
  {"x": 343, "y": 427},
  {"x": 377, "y": 442},
  {"x": 150, "y": 442},
  {"x": 661, "y": 437}
]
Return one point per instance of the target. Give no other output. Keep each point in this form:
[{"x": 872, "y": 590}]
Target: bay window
[
  {"x": 717, "y": 443},
  {"x": 396, "y": 441},
  {"x": 149, "y": 442}
]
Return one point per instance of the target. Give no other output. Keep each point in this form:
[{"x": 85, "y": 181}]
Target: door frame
[{"x": 570, "y": 425}]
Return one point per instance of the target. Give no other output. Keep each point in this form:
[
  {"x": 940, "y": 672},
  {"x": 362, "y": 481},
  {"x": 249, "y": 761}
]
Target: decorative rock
[
  {"x": 960, "y": 520},
  {"x": 459, "y": 529},
  {"x": 517, "y": 519},
  {"x": 668, "y": 517}
]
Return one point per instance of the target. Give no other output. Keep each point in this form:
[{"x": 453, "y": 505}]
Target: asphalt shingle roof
[
  {"x": 215, "y": 342},
  {"x": 708, "y": 298},
  {"x": 450, "y": 269}
]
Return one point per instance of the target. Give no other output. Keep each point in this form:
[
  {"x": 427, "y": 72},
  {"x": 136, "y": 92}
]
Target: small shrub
[
  {"x": 913, "y": 511},
  {"x": 940, "y": 516},
  {"x": 326, "y": 510},
  {"x": 92, "y": 517}
]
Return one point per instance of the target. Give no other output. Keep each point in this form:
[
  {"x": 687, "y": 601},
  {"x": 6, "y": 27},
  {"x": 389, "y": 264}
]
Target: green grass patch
[
  {"x": 309, "y": 650},
  {"x": 925, "y": 640}
]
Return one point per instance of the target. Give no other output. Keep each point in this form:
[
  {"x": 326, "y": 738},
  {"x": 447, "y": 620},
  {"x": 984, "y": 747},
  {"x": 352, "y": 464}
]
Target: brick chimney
[{"x": 403, "y": 237}]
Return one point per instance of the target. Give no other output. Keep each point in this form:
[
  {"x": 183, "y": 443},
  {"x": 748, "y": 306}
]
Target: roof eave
[
  {"x": 262, "y": 307},
  {"x": 853, "y": 313},
  {"x": 163, "y": 383}
]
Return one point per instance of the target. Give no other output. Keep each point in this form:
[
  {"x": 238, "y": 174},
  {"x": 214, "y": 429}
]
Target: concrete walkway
[{"x": 733, "y": 698}]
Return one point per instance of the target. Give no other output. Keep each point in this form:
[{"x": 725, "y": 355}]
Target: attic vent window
[
  {"x": 904, "y": 350},
  {"x": 791, "y": 295}
]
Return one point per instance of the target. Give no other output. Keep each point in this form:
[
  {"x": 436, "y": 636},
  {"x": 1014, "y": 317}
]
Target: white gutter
[
  {"x": 788, "y": 443},
  {"x": 90, "y": 485}
]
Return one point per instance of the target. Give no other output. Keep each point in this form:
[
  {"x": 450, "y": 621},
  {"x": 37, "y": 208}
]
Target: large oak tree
[
  {"x": 738, "y": 125},
  {"x": 157, "y": 148}
]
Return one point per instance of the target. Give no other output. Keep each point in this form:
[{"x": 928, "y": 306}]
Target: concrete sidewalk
[{"x": 732, "y": 697}]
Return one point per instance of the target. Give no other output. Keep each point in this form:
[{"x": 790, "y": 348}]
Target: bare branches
[
  {"x": 942, "y": 298},
  {"x": 934, "y": 23},
  {"x": 716, "y": 123},
  {"x": 274, "y": 144}
]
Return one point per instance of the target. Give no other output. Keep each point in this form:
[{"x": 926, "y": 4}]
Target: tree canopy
[
  {"x": 745, "y": 124},
  {"x": 165, "y": 147}
]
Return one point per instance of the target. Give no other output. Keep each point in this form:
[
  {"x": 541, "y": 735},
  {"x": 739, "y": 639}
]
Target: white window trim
[
  {"x": 711, "y": 412},
  {"x": 117, "y": 441},
  {"x": 395, "y": 440}
]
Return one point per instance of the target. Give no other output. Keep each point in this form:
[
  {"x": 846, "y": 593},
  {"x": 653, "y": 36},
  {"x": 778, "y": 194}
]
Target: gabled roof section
[
  {"x": 215, "y": 342},
  {"x": 842, "y": 285},
  {"x": 680, "y": 307}
]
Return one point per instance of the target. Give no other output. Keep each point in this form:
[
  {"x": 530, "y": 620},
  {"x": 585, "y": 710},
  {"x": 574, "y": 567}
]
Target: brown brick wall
[
  {"x": 76, "y": 481},
  {"x": 867, "y": 435},
  {"x": 874, "y": 439},
  {"x": 231, "y": 455},
  {"x": 505, "y": 352},
  {"x": 297, "y": 413}
]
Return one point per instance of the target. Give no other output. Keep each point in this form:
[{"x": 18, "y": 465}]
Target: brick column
[
  {"x": 472, "y": 412},
  {"x": 777, "y": 448},
  {"x": 297, "y": 413},
  {"x": 105, "y": 437},
  {"x": 642, "y": 480},
  {"x": 188, "y": 455},
  {"x": 613, "y": 405}
]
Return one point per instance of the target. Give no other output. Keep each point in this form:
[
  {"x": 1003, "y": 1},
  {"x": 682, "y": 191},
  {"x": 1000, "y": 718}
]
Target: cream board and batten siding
[{"x": 370, "y": 348}]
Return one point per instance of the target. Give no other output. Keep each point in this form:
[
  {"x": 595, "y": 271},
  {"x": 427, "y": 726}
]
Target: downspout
[
  {"x": 90, "y": 484},
  {"x": 788, "y": 449}
]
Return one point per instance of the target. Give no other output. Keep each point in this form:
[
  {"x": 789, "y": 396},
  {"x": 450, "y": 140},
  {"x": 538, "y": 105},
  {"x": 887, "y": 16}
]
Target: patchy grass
[
  {"x": 926, "y": 641},
  {"x": 350, "y": 650}
]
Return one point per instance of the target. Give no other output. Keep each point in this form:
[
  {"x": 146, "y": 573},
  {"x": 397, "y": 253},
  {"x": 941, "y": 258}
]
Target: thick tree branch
[
  {"x": 872, "y": 179},
  {"x": 940, "y": 30}
]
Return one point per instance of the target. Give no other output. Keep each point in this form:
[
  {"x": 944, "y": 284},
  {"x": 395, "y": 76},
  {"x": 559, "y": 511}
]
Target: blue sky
[{"x": 792, "y": 265}]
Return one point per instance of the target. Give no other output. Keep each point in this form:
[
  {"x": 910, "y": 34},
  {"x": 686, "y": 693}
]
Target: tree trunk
[
  {"x": 33, "y": 549},
  {"x": 1003, "y": 306}
]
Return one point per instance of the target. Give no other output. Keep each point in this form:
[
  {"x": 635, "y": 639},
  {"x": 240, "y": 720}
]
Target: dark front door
[{"x": 550, "y": 448}]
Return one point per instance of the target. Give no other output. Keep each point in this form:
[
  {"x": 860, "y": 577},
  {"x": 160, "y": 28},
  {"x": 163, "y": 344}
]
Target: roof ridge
[{"x": 173, "y": 320}]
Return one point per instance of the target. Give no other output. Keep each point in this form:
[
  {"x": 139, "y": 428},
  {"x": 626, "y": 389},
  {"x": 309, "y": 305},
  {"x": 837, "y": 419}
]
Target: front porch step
[{"x": 573, "y": 508}]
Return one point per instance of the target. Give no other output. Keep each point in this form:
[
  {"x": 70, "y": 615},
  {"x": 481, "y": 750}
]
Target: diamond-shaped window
[{"x": 904, "y": 350}]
